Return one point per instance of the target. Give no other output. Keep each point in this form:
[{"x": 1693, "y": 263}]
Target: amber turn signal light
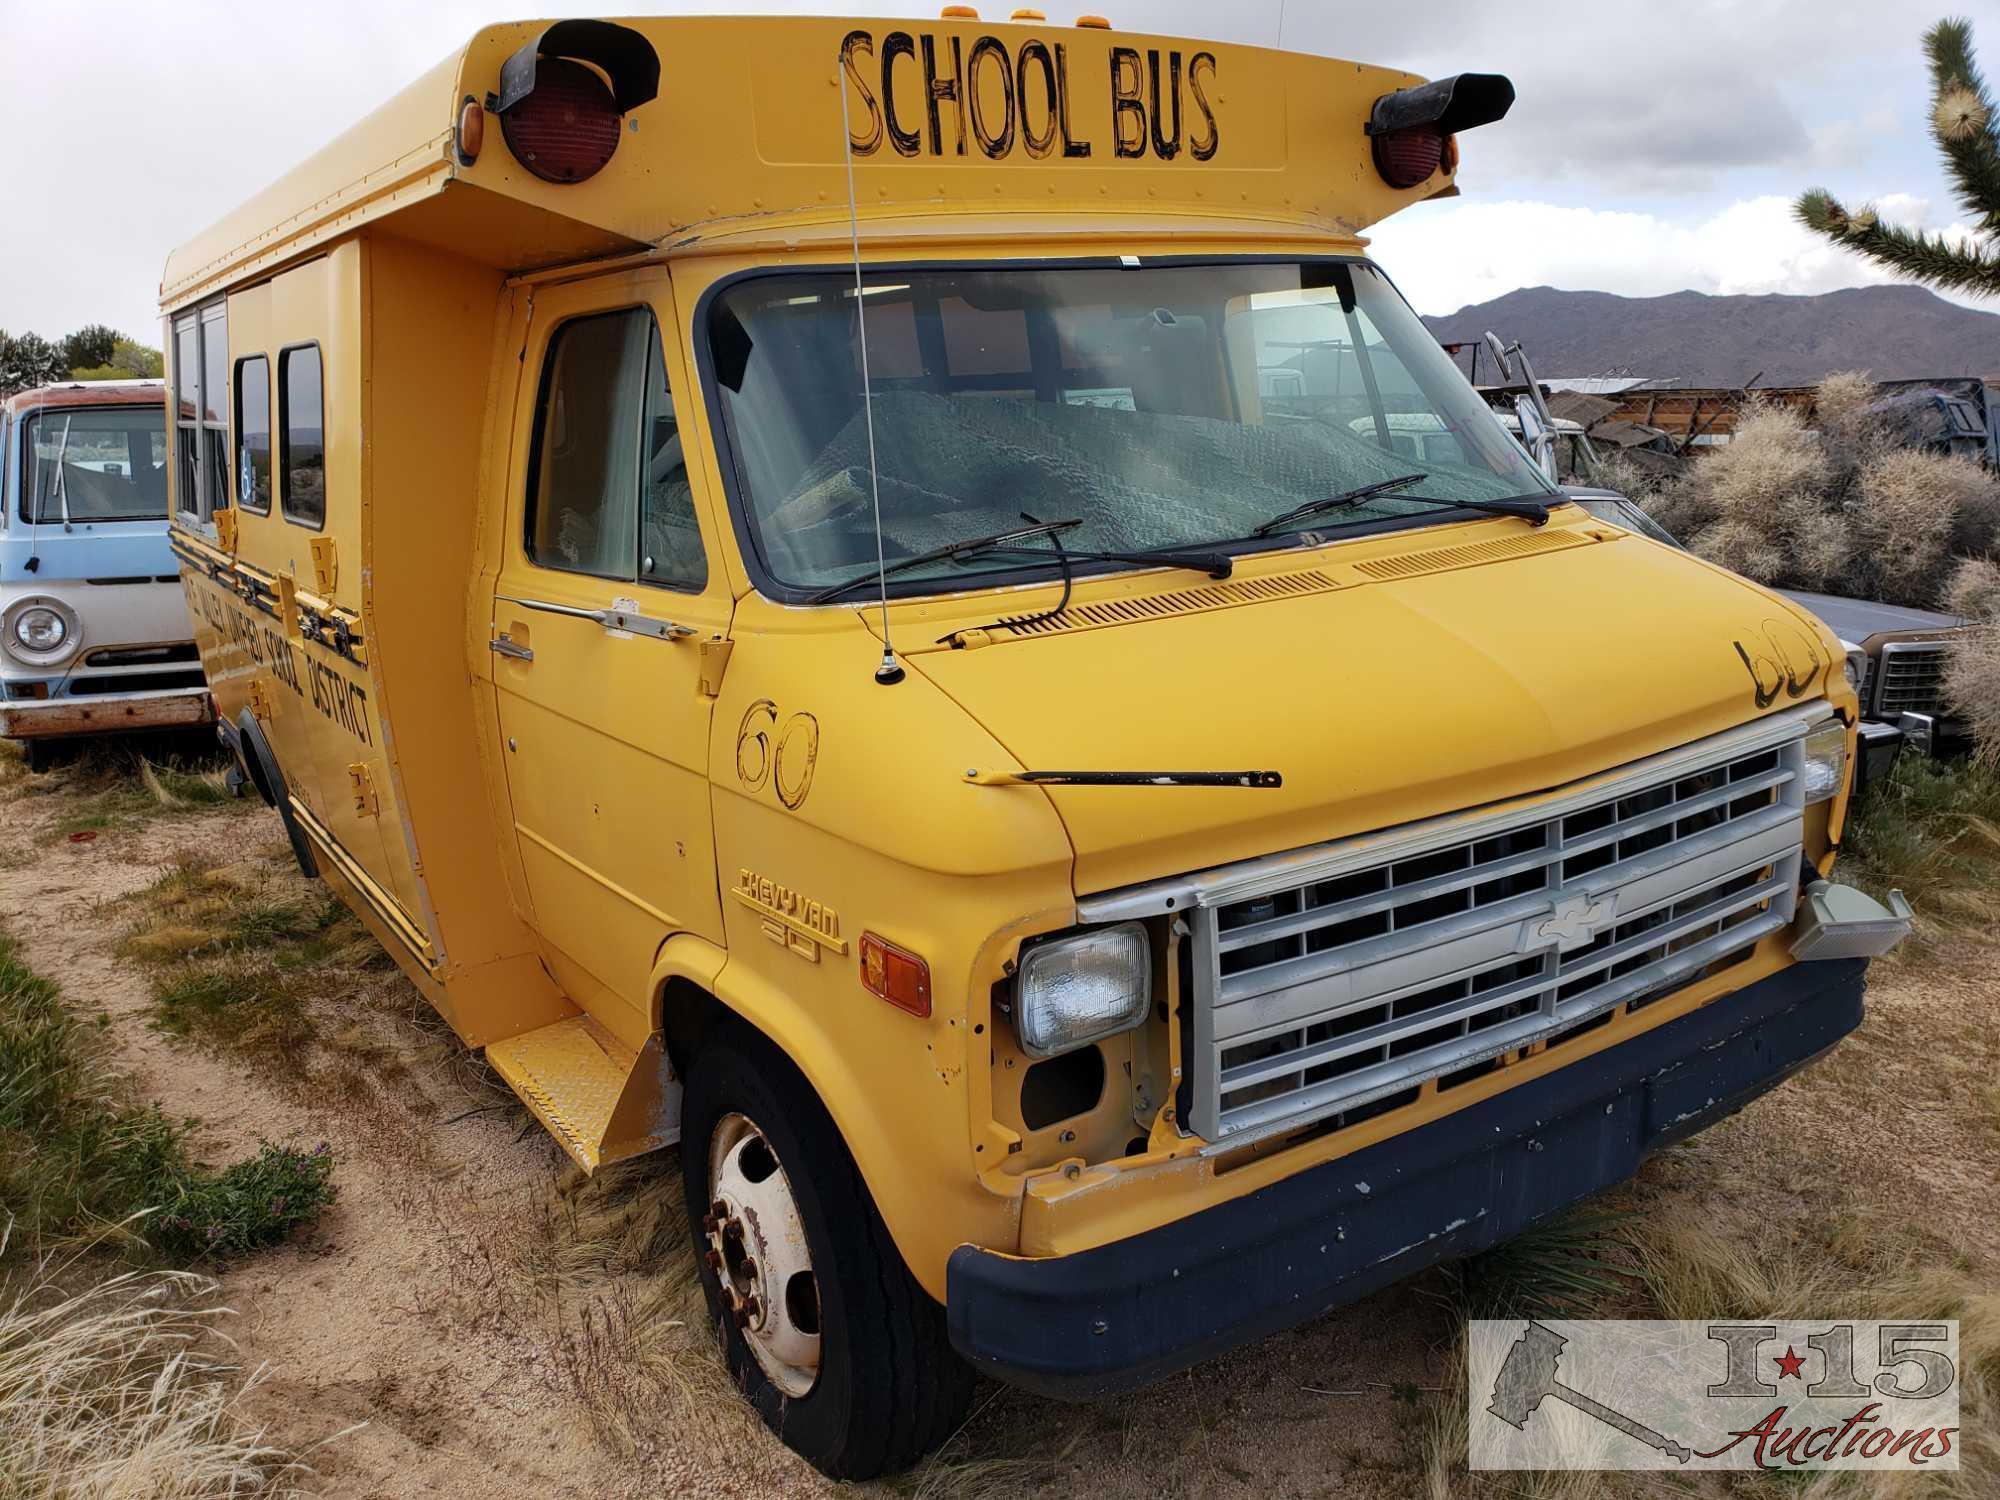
[
  {"x": 471, "y": 132},
  {"x": 895, "y": 974}
]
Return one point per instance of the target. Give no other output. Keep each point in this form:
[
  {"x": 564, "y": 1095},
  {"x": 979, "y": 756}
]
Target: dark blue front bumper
[{"x": 1130, "y": 1312}]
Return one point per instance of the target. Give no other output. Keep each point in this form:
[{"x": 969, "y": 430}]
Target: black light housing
[
  {"x": 626, "y": 58},
  {"x": 1411, "y": 129}
]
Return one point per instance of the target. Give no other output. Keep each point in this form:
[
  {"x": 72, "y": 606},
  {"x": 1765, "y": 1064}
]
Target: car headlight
[
  {"x": 1857, "y": 668},
  {"x": 40, "y": 631},
  {"x": 1080, "y": 989},
  {"x": 1826, "y": 760}
]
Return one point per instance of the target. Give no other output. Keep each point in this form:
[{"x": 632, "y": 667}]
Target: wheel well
[
  {"x": 691, "y": 1018},
  {"x": 245, "y": 745},
  {"x": 688, "y": 1015}
]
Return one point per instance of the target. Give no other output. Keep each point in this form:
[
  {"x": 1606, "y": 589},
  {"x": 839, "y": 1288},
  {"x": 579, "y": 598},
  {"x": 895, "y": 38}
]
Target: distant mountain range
[{"x": 1891, "y": 332}]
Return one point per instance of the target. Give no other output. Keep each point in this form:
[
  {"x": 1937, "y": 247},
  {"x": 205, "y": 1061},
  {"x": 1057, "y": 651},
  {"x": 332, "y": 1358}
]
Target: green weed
[
  {"x": 249, "y": 1205},
  {"x": 81, "y": 1162}
]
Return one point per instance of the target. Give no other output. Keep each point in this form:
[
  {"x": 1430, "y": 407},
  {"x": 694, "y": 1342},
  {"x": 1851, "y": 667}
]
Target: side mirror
[{"x": 1535, "y": 435}]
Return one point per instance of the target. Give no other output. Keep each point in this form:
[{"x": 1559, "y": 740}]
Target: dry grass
[
  {"x": 1842, "y": 399},
  {"x": 1972, "y": 686},
  {"x": 612, "y": 1264},
  {"x": 1974, "y": 591},
  {"x": 105, "y": 1394},
  {"x": 244, "y": 959},
  {"x": 596, "y": 1278},
  {"x": 1837, "y": 506},
  {"x": 1863, "y": 1266},
  {"x": 1932, "y": 831},
  {"x": 107, "y": 786}
]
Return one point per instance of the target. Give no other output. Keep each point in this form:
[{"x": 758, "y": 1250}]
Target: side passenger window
[{"x": 608, "y": 490}]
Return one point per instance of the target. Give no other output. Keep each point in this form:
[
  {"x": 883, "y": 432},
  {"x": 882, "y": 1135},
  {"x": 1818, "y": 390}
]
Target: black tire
[{"x": 890, "y": 1387}]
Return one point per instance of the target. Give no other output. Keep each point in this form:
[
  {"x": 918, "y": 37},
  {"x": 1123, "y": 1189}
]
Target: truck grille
[
  {"x": 1328, "y": 980},
  {"x": 1912, "y": 678}
]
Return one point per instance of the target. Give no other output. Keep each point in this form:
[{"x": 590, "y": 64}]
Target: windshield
[
  {"x": 95, "y": 463},
  {"x": 1164, "y": 406}
]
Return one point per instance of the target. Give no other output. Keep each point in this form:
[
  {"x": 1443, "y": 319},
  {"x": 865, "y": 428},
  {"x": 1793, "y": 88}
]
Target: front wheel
[{"x": 840, "y": 1350}]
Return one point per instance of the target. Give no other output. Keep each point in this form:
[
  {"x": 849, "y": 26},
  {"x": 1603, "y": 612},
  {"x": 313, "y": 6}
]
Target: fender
[{"x": 919, "y": 1185}]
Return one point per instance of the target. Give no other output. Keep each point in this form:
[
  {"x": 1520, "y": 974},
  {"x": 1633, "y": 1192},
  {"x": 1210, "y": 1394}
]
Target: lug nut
[
  {"x": 709, "y": 1223},
  {"x": 719, "y": 1209},
  {"x": 713, "y": 1259},
  {"x": 742, "y": 1314},
  {"x": 750, "y": 1269}
]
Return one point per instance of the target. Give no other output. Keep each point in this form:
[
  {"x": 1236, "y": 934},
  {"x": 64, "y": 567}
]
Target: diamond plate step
[{"x": 601, "y": 1101}]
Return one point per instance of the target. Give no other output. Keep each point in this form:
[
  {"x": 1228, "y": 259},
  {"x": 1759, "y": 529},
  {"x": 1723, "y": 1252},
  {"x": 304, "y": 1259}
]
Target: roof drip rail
[{"x": 626, "y": 58}]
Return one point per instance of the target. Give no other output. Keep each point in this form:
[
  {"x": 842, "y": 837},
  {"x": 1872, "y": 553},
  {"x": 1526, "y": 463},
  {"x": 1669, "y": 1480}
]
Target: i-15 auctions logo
[{"x": 1606, "y": 1394}]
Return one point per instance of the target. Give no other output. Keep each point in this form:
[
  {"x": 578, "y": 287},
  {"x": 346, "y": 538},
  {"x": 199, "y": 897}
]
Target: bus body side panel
[{"x": 429, "y": 323}]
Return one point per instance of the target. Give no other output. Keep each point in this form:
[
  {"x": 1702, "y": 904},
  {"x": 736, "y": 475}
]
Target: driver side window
[{"x": 608, "y": 491}]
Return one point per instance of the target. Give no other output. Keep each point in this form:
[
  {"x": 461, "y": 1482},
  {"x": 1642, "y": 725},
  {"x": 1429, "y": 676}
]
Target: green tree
[
  {"x": 132, "y": 358},
  {"x": 1966, "y": 127},
  {"x": 129, "y": 360},
  {"x": 92, "y": 344},
  {"x": 28, "y": 360}
]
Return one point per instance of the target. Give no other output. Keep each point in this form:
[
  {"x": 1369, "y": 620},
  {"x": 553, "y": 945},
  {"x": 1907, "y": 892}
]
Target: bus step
[{"x": 602, "y": 1101}]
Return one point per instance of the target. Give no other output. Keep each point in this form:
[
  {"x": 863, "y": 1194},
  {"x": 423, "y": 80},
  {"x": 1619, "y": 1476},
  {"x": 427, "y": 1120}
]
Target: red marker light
[
  {"x": 1408, "y": 157},
  {"x": 566, "y": 129},
  {"x": 895, "y": 974}
]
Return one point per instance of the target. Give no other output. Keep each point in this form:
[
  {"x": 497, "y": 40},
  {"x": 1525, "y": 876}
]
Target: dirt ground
[{"x": 456, "y": 1327}]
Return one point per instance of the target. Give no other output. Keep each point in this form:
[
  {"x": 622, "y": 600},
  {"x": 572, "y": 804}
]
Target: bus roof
[{"x": 1080, "y": 127}]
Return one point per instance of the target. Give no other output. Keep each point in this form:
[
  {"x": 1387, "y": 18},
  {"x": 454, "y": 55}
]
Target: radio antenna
[{"x": 889, "y": 672}]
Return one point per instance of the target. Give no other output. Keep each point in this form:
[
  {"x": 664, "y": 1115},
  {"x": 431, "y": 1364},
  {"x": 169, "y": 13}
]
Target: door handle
[
  {"x": 628, "y": 620},
  {"x": 502, "y": 645}
]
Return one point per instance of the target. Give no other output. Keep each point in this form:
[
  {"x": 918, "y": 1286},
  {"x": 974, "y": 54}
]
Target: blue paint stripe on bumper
[{"x": 1131, "y": 1312}]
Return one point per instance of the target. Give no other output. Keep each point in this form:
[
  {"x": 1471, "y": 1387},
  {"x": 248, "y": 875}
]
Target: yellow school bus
[{"x": 856, "y": 596}]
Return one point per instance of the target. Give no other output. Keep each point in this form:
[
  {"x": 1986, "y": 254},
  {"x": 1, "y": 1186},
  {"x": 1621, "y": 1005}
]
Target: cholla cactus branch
[
  {"x": 1966, "y": 127},
  {"x": 1963, "y": 122}
]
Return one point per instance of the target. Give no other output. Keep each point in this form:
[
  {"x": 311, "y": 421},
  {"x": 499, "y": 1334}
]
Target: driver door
[{"x": 602, "y": 601}]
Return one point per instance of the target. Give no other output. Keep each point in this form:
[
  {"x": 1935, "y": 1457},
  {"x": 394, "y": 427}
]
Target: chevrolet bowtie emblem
[{"x": 1574, "y": 923}]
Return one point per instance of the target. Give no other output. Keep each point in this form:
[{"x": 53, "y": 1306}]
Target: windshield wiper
[
  {"x": 1215, "y": 564},
  {"x": 940, "y": 554},
  {"x": 1336, "y": 502},
  {"x": 1530, "y": 508}
]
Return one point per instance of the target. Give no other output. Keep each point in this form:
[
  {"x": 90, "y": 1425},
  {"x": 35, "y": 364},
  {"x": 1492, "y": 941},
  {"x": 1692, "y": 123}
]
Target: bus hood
[{"x": 1379, "y": 702}]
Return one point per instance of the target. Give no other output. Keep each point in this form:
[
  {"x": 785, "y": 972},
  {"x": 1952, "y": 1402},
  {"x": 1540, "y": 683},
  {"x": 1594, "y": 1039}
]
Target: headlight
[
  {"x": 41, "y": 631},
  {"x": 1857, "y": 668},
  {"x": 1078, "y": 989},
  {"x": 1826, "y": 760}
]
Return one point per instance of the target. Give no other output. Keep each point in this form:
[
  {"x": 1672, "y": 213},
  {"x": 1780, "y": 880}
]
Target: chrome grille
[
  {"x": 1911, "y": 678},
  {"x": 1329, "y": 980}
]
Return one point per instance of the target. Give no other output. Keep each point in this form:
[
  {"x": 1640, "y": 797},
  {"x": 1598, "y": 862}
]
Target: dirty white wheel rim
[{"x": 755, "y": 1243}]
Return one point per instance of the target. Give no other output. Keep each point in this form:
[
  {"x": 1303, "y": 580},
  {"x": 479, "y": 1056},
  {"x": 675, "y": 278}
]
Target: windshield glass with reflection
[
  {"x": 1161, "y": 406},
  {"x": 95, "y": 463}
]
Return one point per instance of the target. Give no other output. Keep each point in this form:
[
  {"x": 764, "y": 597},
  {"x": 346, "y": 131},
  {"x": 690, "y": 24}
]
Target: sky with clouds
[{"x": 1652, "y": 148}]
